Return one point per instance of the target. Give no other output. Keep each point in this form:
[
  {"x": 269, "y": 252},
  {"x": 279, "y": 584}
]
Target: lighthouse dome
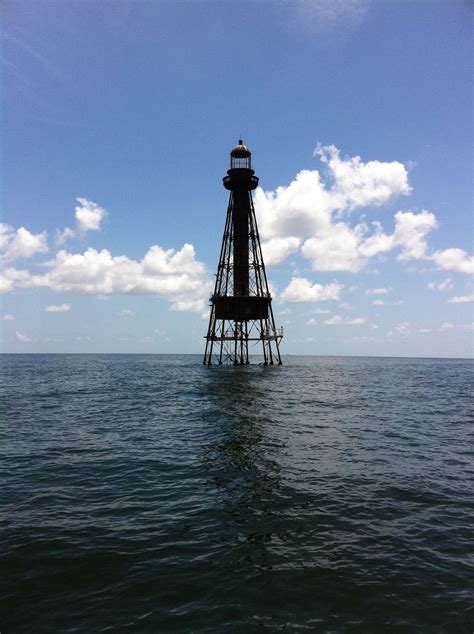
[{"x": 240, "y": 150}]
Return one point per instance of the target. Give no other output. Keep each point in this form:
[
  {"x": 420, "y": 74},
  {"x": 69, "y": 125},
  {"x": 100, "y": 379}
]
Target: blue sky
[{"x": 117, "y": 121}]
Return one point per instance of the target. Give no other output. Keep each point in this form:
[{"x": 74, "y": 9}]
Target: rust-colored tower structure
[{"x": 241, "y": 309}]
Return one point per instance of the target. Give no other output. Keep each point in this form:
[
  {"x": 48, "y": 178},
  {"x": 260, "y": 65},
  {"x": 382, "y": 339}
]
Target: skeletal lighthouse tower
[{"x": 241, "y": 309}]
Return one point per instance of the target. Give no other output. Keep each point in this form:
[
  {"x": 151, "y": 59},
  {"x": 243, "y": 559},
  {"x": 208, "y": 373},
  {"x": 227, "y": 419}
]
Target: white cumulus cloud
[
  {"x": 276, "y": 250},
  {"x": 175, "y": 275},
  {"x": 301, "y": 289},
  {"x": 6, "y": 284},
  {"x": 358, "y": 184},
  {"x": 337, "y": 249},
  {"x": 89, "y": 217},
  {"x": 410, "y": 232},
  {"x": 14, "y": 278},
  {"x": 345, "y": 248},
  {"x": 454, "y": 260},
  {"x": 305, "y": 206},
  {"x": 20, "y": 243},
  {"x": 66, "y": 234},
  {"x": 315, "y": 214}
]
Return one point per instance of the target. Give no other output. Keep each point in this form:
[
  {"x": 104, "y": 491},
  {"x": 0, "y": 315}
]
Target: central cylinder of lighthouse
[{"x": 241, "y": 212}]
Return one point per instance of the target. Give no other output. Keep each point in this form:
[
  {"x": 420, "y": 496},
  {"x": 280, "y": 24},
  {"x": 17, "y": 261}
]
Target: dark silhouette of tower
[{"x": 241, "y": 309}]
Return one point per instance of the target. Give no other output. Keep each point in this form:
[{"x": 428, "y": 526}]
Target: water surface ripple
[{"x": 147, "y": 493}]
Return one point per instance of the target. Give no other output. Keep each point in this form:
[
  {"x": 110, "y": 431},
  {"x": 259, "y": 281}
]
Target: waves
[{"x": 152, "y": 494}]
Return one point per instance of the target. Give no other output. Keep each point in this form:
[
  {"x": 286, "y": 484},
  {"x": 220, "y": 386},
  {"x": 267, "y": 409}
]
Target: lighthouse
[{"x": 241, "y": 304}]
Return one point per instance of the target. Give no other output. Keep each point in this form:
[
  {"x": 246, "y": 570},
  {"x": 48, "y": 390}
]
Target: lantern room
[{"x": 240, "y": 157}]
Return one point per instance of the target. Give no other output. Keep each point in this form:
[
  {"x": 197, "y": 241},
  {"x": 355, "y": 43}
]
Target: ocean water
[{"x": 149, "y": 493}]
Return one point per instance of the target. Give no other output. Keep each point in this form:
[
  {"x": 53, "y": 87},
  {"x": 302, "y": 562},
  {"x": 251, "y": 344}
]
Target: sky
[{"x": 117, "y": 119}]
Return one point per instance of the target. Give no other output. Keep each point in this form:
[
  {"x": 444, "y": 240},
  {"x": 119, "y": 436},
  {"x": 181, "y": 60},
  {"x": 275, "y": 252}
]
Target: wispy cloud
[
  {"x": 445, "y": 285},
  {"x": 22, "y": 338},
  {"x": 446, "y": 325},
  {"x": 401, "y": 331},
  {"x": 319, "y": 15},
  {"x": 337, "y": 320},
  {"x": 61, "y": 308},
  {"x": 42, "y": 60},
  {"x": 377, "y": 291},
  {"x": 461, "y": 299}
]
